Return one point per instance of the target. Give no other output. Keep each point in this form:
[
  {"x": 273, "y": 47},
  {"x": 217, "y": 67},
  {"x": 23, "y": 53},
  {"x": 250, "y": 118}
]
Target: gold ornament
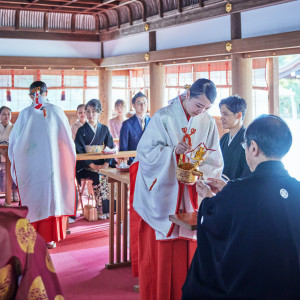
[
  {"x": 228, "y": 7},
  {"x": 49, "y": 263},
  {"x": 5, "y": 281},
  {"x": 147, "y": 56},
  {"x": 146, "y": 26},
  {"x": 187, "y": 86},
  {"x": 228, "y": 47},
  {"x": 37, "y": 290},
  {"x": 26, "y": 235},
  {"x": 59, "y": 297}
]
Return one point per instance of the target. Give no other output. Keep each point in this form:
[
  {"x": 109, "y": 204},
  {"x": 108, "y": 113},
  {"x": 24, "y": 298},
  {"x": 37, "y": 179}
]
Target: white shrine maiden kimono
[
  {"x": 42, "y": 155},
  {"x": 157, "y": 166}
]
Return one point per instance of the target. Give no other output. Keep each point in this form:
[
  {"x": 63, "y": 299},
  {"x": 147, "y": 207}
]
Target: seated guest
[
  {"x": 5, "y": 129},
  {"x": 81, "y": 119},
  {"x": 248, "y": 234},
  {"x": 115, "y": 124},
  {"x": 133, "y": 128},
  {"x": 42, "y": 155},
  {"x": 233, "y": 111},
  {"x": 93, "y": 133},
  {"x": 26, "y": 269},
  {"x": 5, "y": 124}
]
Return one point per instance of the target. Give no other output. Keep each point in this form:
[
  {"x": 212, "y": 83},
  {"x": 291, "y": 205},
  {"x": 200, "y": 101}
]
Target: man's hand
[
  {"x": 182, "y": 148},
  {"x": 215, "y": 184},
  {"x": 203, "y": 190}
]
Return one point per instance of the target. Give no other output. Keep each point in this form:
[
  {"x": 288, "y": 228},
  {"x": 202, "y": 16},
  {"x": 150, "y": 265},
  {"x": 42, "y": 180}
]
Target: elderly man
[{"x": 249, "y": 232}]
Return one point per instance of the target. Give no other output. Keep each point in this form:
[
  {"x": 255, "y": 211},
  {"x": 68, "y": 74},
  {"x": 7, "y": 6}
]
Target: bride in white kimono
[{"x": 165, "y": 248}]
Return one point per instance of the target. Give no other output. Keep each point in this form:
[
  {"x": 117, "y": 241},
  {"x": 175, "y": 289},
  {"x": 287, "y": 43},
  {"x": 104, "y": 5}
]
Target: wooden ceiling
[{"x": 100, "y": 20}]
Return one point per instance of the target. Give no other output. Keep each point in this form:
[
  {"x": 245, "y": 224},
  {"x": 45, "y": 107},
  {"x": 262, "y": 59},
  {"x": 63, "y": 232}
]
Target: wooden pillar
[
  {"x": 105, "y": 95},
  {"x": 157, "y": 87},
  {"x": 273, "y": 83},
  {"x": 242, "y": 83}
]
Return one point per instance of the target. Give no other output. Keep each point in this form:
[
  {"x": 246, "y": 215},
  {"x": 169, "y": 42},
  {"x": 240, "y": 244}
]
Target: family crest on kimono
[
  {"x": 233, "y": 110},
  {"x": 42, "y": 155},
  {"x": 93, "y": 133},
  {"x": 156, "y": 243},
  {"x": 133, "y": 128}
]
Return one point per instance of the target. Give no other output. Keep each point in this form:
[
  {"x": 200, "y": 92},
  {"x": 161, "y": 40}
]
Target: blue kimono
[
  {"x": 248, "y": 239},
  {"x": 130, "y": 134}
]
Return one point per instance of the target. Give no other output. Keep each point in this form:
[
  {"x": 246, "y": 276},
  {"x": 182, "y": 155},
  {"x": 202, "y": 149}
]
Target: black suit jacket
[
  {"x": 130, "y": 134},
  {"x": 248, "y": 239}
]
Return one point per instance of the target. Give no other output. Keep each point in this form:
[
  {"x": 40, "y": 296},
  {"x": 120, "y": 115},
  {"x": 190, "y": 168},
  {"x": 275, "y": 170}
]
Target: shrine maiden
[
  {"x": 165, "y": 248},
  {"x": 42, "y": 155}
]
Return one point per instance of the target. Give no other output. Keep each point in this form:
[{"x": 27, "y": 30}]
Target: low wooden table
[
  {"x": 122, "y": 180},
  {"x": 95, "y": 156},
  {"x": 7, "y": 175},
  {"x": 187, "y": 220}
]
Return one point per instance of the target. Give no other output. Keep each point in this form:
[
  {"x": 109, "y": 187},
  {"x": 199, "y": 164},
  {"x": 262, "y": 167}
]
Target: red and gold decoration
[
  {"x": 186, "y": 171},
  {"x": 26, "y": 235}
]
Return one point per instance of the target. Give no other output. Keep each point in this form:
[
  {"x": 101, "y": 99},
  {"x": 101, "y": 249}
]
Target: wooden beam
[
  {"x": 55, "y": 35},
  {"x": 46, "y": 18},
  {"x": 273, "y": 85},
  {"x": 129, "y": 14},
  {"x": 102, "y": 49},
  {"x": 152, "y": 41},
  {"x": 179, "y": 6},
  {"x": 73, "y": 23},
  {"x": 272, "y": 53},
  {"x": 106, "y": 20},
  {"x": 160, "y": 8},
  {"x": 144, "y": 10},
  {"x": 190, "y": 14},
  {"x": 46, "y": 62},
  {"x": 97, "y": 22},
  {"x": 17, "y": 19},
  {"x": 236, "y": 27},
  {"x": 118, "y": 17},
  {"x": 267, "y": 42},
  {"x": 274, "y": 42}
]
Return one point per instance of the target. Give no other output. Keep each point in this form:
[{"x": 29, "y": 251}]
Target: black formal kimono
[
  {"x": 235, "y": 165},
  {"x": 248, "y": 239},
  {"x": 86, "y": 136}
]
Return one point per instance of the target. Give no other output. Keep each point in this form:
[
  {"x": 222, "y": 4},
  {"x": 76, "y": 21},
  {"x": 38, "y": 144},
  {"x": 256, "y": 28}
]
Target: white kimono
[
  {"x": 42, "y": 155},
  {"x": 157, "y": 161}
]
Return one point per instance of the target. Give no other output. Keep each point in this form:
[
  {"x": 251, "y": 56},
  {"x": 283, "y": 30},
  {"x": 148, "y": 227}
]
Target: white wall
[
  {"x": 197, "y": 33},
  {"x": 44, "y": 48},
  {"x": 271, "y": 20},
  {"x": 129, "y": 45}
]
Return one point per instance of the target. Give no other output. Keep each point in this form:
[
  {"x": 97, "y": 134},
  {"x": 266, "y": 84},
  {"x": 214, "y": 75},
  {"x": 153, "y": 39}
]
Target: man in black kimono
[
  {"x": 248, "y": 239},
  {"x": 233, "y": 110}
]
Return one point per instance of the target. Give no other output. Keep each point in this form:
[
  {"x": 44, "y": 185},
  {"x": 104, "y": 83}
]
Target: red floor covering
[{"x": 80, "y": 264}]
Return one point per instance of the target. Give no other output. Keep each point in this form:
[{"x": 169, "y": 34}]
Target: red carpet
[{"x": 80, "y": 265}]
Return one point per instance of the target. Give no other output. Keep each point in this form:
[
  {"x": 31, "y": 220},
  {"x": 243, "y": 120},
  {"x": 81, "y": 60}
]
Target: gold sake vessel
[{"x": 187, "y": 172}]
